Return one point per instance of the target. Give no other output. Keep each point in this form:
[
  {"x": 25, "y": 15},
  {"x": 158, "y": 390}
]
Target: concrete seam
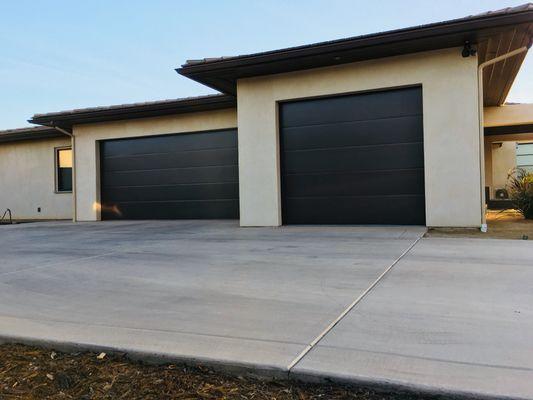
[
  {"x": 328, "y": 329},
  {"x": 144, "y": 330},
  {"x": 125, "y": 249}
]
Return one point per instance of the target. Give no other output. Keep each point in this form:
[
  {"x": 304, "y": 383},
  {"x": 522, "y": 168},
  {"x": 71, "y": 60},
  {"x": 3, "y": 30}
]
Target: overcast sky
[{"x": 58, "y": 55}]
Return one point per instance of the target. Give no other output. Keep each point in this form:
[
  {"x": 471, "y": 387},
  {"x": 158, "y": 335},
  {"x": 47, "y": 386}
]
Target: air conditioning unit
[{"x": 502, "y": 194}]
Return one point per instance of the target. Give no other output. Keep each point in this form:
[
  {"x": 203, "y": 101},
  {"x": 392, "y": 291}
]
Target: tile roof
[
  {"x": 29, "y": 133},
  {"x": 66, "y": 119},
  {"x": 492, "y": 33},
  {"x": 129, "y": 106},
  {"x": 500, "y": 12}
]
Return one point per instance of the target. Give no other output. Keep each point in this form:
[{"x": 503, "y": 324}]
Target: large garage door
[
  {"x": 356, "y": 159},
  {"x": 172, "y": 176}
]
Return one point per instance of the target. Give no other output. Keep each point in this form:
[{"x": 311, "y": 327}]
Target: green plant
[{"x": 520, "y": 188}]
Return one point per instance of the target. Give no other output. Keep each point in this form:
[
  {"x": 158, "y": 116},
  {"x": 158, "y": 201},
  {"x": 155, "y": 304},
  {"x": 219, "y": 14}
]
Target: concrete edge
[
  {"x": 257, "y": 371},
  {"x": 397, "y": 386},
  {"x": 451, "y": 236},
  {"x": 262, "y": 372}
]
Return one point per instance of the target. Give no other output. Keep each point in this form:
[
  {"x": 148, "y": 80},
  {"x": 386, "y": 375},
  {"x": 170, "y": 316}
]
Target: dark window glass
[{"x": 64, "y": 170}]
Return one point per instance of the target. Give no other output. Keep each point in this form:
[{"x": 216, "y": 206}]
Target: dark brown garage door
[
  {"x": 356, "y": 159},
  {"x": 171, "y": 176}
]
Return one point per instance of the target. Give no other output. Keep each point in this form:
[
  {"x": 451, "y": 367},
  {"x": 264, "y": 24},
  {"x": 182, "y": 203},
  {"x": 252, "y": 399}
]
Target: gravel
[{"x": 33, "y": 373}]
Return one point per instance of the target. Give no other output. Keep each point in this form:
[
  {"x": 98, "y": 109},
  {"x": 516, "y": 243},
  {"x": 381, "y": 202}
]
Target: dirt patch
[
  {"x": 506, "y": 224},
  {"x": 33, "y": 373}
]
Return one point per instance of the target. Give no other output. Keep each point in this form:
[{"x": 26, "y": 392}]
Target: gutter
[
  {"x": 135, "y": 110},
  {"x": 481, "y": 127},
  {"x": 73, "y": 145},
  {"x": 461, "y": 26}
]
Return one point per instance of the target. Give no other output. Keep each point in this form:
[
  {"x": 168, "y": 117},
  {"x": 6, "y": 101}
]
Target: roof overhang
[
  {"x": 30, "y": 133},
  {"x": 508, "y": 129},
  {"x": 494, "y": 33},
  {"x": 498, "y": 78},
  {"x": 66, "y": 119}
]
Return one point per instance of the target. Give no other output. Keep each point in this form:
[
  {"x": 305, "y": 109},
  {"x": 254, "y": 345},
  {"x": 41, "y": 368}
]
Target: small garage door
[
  {"x": 356, "y": 159},
  {"x": 192, "y": 175}
]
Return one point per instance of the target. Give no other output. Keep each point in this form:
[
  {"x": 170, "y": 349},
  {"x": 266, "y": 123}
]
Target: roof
[
  {"x": 29, "y": 133},
  {"x": 222, "y": 73},
  {"x": 508, "y": 129},
  {"x": 66, "y": 119}
]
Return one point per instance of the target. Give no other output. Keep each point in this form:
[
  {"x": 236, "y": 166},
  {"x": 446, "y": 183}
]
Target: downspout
[
  {"x": 481, "y": 127},
  {"x": 73, "y": 145}
]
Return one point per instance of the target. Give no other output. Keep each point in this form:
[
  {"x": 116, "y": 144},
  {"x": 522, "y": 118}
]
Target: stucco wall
[
  {"x": 508, "y": 114},
  {"x": 503, "y": 160},
  {"x": 27, "y": 176},
  {"x": 88, "y": 135},
  {"x": 451, "y": 130}
]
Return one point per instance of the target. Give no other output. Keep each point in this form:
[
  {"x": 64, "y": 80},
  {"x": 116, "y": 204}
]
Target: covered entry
[
  {"x": 192, "y": 175},
  {"x": 353, "y": 159}
]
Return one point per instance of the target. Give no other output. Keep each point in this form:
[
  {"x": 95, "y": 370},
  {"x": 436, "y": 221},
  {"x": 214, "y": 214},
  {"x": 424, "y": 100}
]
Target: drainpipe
[
  {"x": 481, "y": 127},
  {"x": 73, "y": 145}
]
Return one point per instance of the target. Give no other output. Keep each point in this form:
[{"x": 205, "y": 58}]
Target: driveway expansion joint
[{"x": 350, "y": 307}]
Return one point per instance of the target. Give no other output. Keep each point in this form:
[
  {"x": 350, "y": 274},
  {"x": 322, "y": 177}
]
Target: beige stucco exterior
[
  {"x": 88, "y": 135},
  {"x": 27, "y": 180},
  {"x": 508, "y": 114},
  {"x": 503, "y": 161},
  {"x": 451, "y": 140},
  {"x": 451, "y": 130}
]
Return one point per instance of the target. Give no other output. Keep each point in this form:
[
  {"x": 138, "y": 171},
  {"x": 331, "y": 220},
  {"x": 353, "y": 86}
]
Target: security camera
[{"x": 468, "y": 50}]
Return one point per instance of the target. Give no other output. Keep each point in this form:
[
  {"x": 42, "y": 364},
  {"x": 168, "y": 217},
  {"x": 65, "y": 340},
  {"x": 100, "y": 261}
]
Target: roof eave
[
  {"x": 30, "y": 135},
  {"x": 216, "y": 74},
  {"x": 67, "y": 119}
]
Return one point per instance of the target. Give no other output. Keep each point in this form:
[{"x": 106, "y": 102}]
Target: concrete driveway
[{"x": 450, "y": 315}]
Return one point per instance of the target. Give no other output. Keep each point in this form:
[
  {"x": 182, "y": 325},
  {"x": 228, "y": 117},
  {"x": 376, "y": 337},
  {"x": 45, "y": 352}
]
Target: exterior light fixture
[{"x": 468, "y": 50}]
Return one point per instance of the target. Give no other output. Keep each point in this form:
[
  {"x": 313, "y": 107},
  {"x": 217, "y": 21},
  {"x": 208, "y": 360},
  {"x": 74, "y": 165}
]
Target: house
[{"x": 386, "y": 128}]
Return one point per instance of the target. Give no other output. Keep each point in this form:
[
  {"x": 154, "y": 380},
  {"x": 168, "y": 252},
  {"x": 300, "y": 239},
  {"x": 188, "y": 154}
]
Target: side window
[{"x": 64, "y": 170}]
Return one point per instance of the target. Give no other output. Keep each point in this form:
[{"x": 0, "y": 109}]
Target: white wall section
[
  {"x": 451, "y": 129},
  {"x": 27, "y": 180}
]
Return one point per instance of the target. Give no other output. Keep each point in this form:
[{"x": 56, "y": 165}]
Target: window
[
  {"x": 64, "y": 170},
  {"x": 524, "y": 156}
]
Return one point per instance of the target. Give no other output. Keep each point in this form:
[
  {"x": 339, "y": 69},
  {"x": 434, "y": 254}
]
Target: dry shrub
[{"x": 520, "y": 188}]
